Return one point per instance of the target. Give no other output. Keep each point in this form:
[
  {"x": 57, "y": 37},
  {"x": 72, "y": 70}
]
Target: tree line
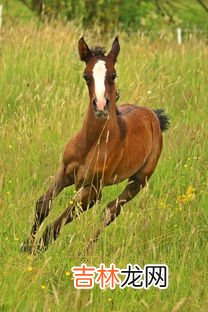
[{"x": 118, "y": 14}]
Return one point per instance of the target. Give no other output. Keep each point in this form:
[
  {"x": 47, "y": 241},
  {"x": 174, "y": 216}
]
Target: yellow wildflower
[
  {"x": 30, "y": 268},
  {"x": 190, "y": 189},
  {"x": 188, "y": 196},
  {"x": 42, "y": 286},
  {"x": 67, "y": 273},
  {"x": 162, "y": 204}
]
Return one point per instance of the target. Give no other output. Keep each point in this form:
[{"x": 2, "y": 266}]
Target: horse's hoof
[
  {"x": 34, "y": 248},
  {"x": 40, "y": 247},
  {"x": 26, "y": 246},
  {"x": 39, "y": 250}
]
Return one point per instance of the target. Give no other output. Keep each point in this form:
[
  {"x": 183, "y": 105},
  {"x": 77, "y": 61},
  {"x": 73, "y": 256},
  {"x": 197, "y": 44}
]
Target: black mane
[{"x": 98, "y": 51}]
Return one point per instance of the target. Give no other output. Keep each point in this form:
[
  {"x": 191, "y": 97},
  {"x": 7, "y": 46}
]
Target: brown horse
[{"x": 114, "y": 144}]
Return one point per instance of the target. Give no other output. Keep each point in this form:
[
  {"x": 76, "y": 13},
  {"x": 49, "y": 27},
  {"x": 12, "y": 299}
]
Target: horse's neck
[{"x": 98, "y": 129}]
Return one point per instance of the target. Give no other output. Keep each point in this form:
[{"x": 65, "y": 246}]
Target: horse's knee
[{"x": 87, "y": 197}]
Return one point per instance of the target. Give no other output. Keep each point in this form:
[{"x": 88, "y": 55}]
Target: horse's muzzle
[{"x": 101, "y": 109}]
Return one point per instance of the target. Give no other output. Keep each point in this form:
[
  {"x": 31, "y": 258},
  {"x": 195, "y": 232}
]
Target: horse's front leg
[
  {"x": 44, "y": 204},
  {"x": 113, "y": 209},
  {"x": 85, "y": 198}
]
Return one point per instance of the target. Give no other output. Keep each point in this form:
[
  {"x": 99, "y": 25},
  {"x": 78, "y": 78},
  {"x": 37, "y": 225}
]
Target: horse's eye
[
  {"x": 113, "y": 76},
  {"x": 86, "y": 77}
]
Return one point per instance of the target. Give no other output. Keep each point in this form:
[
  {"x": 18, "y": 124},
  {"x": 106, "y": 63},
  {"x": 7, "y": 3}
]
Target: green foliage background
[{"x": 116, "y": 15}]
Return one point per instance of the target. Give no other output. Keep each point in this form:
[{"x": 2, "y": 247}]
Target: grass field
[{"x": 43, "y": 99}]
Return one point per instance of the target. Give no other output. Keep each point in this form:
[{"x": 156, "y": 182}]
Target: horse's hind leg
[
  {"x": 85, "y": 198},
  {"x": 44, "y": 203},
  {"x": 113, "y": 209}
]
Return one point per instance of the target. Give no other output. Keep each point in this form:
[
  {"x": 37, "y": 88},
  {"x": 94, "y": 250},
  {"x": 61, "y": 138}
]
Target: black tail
[{"x": 163, "y": 119}]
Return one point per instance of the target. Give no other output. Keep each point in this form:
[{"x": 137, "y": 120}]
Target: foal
[{"x": 114, "y": 144}]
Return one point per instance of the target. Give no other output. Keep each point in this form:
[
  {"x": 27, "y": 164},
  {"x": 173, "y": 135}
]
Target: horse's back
[
  {"x": 138, "y": 118},
  {"x": 141, "y": 112},
  {"x": 143, "y": 136}
]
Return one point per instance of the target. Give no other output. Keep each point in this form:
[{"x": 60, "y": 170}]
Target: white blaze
[{"x": 99, "y": 72}]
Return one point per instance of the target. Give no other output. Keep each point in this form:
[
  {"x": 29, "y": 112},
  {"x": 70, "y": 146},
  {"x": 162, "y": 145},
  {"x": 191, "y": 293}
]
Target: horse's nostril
[
  {"x": 101, "y": 107},
  {"x": 94, "y": 103}
]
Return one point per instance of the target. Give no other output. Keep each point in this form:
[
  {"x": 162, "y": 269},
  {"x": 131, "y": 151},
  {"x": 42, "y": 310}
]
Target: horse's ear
[
  {"x": 115, "y": 49},
  {"x": 84, "y": 51}
]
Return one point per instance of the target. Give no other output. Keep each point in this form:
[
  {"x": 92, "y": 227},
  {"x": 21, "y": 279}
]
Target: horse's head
[{"x": 100, "y": 75}]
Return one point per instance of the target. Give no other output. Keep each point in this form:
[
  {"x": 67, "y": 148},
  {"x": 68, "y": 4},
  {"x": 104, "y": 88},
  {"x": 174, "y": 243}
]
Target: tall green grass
[{"x": 43, "y": 99}]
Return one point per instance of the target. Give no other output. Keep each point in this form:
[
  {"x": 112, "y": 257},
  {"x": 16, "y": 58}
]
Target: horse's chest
[{"x": 96, "y": 166}]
